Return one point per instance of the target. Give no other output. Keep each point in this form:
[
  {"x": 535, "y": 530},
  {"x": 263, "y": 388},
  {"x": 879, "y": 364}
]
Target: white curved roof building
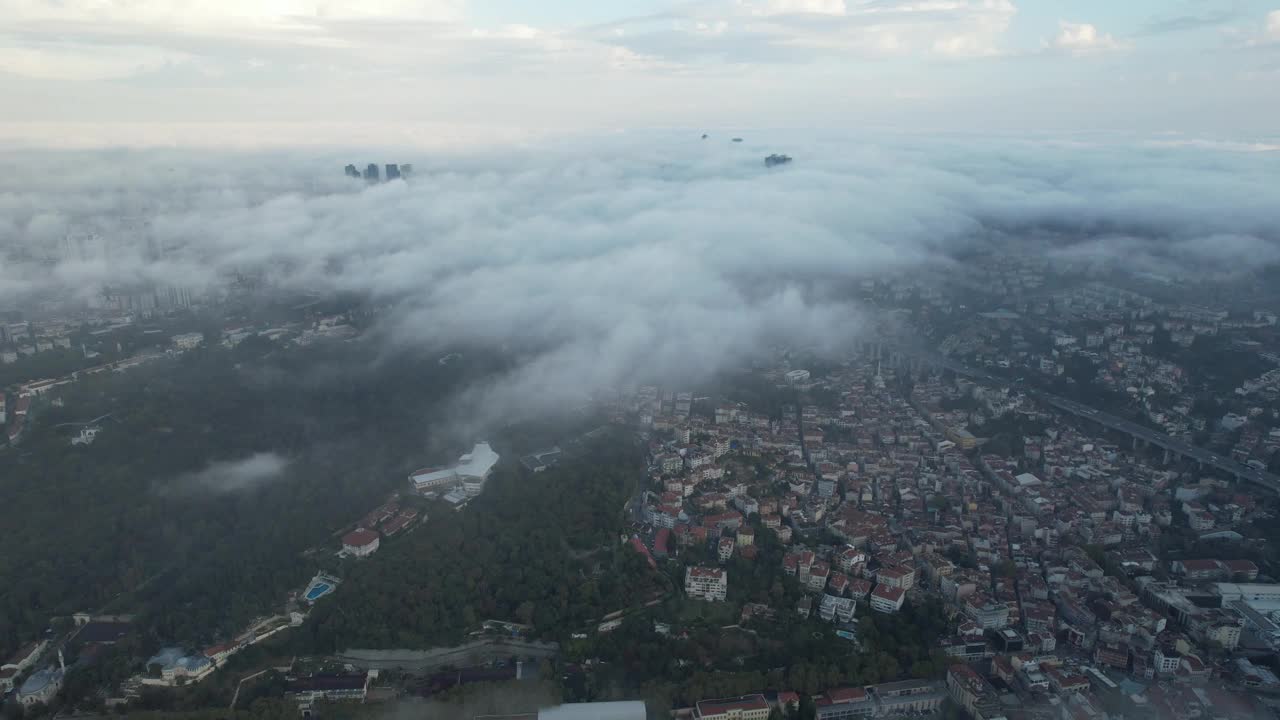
[{"x": 620, "y": 710}]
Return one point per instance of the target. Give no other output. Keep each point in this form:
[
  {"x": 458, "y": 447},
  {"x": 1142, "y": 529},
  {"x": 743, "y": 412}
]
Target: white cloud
[
  {"x": 1255, "y": 35},
  {"x": 788, "y": 7},
  {"x": 1217, "y": 145},
  {"x": 1082, "y": 39},
  {"x": 661, "y": 254},
  {"x": 766, "y": 31},
  {"x": 230, "y": 475},
  {"x": 196, "y": 16},
  {"x": 75, "y": 61},
  {"x": 92, "y": 40}
]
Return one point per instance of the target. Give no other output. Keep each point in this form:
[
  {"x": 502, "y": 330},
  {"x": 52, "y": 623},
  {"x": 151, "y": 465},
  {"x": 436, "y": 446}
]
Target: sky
[{"x": 450, "y": 73}]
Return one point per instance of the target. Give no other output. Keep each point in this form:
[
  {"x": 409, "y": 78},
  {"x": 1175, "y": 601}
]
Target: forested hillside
[
  {"x": 121, "y": 525},
  {"x": 540, "y": 549}
]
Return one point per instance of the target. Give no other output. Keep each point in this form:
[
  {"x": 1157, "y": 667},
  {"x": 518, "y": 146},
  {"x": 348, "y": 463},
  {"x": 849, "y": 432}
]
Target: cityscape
[
  {"x": 1107, "y": 555},
  {"x": 646, "y": 360}
]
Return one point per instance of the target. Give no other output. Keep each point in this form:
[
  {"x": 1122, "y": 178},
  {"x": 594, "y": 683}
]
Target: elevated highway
[{"x": 1140, "y": 433}]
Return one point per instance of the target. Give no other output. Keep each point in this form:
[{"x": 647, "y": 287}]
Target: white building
[
  {"x": 1249, "y": 592},
  {"x": 87, "y": 435},
  {"x": 360, "y": 542},
  {"x": 428, "y": 478},
  {"x": 176, "y": 667},
  {"x": 704, "y": 583},
  {"x": 1166, "y": 664},
  {"x": 471, "y": 471},
  {"x": 887, "y": 599},
  {"x": 615, "y": 710},
  {"x": 186, "y": 341},
  {"x": 1027, "y": 480},
  {"x": 797, "y": 377},
  {"x": 747, "y": 707},
  {"x": 836, "y": 608},
  {"x": 897, "y": 576}
]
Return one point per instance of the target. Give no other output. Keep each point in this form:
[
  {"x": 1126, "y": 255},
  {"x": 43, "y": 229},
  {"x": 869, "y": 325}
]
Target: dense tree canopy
[
  {"x": 120, "y": 525},
  {"x": 541, "y": 549}
]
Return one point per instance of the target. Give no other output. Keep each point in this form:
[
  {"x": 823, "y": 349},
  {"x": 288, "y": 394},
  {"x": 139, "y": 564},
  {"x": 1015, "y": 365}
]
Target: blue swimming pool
[{"x": 318, "y": 590}]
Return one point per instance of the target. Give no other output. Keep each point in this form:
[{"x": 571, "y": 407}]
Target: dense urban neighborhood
[{"x": 1063, "y": 510}]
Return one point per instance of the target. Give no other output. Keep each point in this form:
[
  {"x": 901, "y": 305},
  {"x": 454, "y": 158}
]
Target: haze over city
[{"x": 640, "y": 359}]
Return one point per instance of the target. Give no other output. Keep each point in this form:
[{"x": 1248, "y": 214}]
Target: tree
[
  {"x": 196, "y": 563},
  {"x": 525, "y": 612},
  {"x": 807, "y": 710}
]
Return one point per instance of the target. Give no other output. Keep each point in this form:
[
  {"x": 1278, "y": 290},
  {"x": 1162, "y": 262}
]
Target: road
[{"x": 1128, "y": 427}]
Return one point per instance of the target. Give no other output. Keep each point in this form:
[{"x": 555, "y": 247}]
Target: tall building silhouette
[{"x": 372, "y": 172}]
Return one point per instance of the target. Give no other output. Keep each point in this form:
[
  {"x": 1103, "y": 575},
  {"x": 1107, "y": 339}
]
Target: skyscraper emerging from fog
[{"x": 371, "y": 172}]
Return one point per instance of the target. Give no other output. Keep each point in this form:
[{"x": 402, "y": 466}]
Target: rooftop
[
  {"x": 40, "y": 680},
  {"x": 359, "y": 537},
  {"x": 892, "y": 594},
  {"x": 746, "y": 702},
  {"x": 478, "y": 462}
]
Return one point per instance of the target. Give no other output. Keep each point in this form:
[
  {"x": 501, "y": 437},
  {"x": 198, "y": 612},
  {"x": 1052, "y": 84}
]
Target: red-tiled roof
[
  {"x": 884, "y": 592},
  {"x": 718, "y": 707},
  {"x": 846, "y": 695},
  {"x": 213, "y": 650},
  {"x": 359, "y": 537},
  {"x": 660, "y": 540}
]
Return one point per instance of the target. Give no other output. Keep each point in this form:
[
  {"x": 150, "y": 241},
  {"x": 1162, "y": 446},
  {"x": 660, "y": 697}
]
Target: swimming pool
[{"x": 318, "y": 590}]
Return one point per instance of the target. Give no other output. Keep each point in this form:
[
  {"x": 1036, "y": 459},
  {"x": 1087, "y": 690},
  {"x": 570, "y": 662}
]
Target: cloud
[
  {"x": 770, "y": 31},
  {"x": 1189, "y": 17},
  {"x": 1223, "y": 145},
  {"x": 226, "y": 16},
  {"x": 232, "y": 475},
  {"x": 602, "y": 262},
  {"x": 1260, "y": 36},
  {"x": 789, "y": 7},
  {"x": 1082, "y": 39}
]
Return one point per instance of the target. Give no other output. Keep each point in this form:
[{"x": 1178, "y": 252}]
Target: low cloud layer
[
  {"x": 654, "y": 255},
  {"x": 232, "y": 475}
]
